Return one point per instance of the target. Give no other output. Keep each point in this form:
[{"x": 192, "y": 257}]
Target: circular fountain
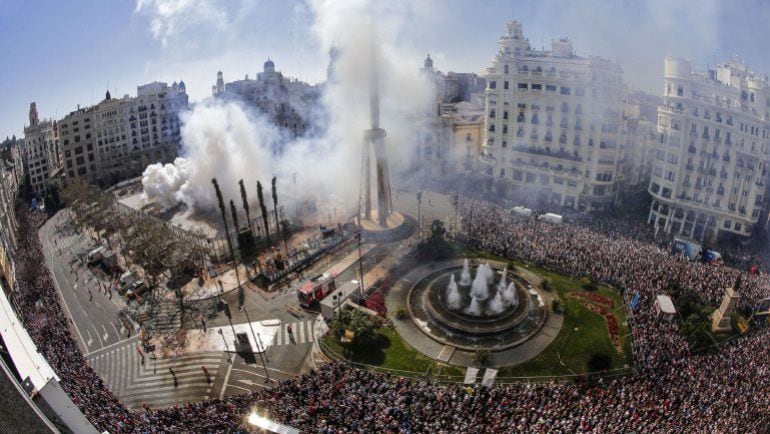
[{"x": 487, "y": 307}]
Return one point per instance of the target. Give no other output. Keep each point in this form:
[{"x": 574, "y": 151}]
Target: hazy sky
[{"x": 64, "y": 53}]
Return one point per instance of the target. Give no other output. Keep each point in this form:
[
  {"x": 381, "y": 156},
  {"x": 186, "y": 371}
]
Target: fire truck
[{"x": 315, "y": 289}]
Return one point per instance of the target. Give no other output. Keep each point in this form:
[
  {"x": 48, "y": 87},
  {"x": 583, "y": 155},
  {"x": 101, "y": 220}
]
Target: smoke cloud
[{"x": 229, "y": 141}]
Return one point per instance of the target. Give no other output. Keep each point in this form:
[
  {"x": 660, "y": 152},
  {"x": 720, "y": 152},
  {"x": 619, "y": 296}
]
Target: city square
[{"x": 547, "y": 241}]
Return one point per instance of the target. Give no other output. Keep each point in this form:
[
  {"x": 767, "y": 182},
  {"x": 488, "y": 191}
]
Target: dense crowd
[{"x": 672, "y": 389}]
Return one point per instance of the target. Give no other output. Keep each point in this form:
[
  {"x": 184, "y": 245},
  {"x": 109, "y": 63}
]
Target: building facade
[
  {"x": 116, "y": 139},
  {"x": 710, "y": 172},
  {"x": 640, "y": 135},
  {"x": 553, "y": 124},
  {"x": 453, "y": 131},
  {"x": 287, "y": 103},
  {"x": 40, "y": 150}
]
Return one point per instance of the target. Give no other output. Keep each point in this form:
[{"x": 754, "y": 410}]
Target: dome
[{"x": 269, "y": 66}]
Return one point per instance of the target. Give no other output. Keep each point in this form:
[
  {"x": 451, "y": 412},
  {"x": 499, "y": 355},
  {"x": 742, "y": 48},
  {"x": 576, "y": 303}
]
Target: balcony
[
  {"x": 487, "y": 157},
  {"x": 547, "y": 153}
]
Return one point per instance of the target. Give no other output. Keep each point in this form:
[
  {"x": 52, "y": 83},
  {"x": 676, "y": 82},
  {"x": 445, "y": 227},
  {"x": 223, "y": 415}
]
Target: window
[
  {"x": 550, "y": 88},
  {"x": 505, "y": 85},
  {"x": 679, "y": 91},
  {"x": 565, "y": 90},
  {"x": 493, "y": 85},
  {"x": 505, "y": 69},
  {"x": 523, "y": 86}
]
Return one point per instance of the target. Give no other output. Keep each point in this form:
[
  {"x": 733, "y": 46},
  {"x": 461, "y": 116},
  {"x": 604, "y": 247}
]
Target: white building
[
  {"x": 40, "y": 149},
  {"x": 710, "y": 171},
  {"x": 553, "y": 123},
  {"x": 640, "y": 135},
  {"x": 288, "y": 103},
  {"x": 117, "y": 138}
]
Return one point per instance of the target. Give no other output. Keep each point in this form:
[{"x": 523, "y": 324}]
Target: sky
[{"x": 64, "y": 53}]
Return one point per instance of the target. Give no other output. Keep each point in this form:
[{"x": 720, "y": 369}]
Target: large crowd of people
[{"x": 673, "y": 389}]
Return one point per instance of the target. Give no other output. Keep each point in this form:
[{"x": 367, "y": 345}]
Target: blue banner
[{"x": 635, "y": 300}]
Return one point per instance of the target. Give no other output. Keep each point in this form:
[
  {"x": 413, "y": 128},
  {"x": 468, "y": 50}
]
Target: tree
[
  {"x": 696, "y": 329},
  {"x": 436, "y": 246},
  {"x": 52, "y": 200},
  {"x": 360, "y": 324},
  {"x": 234, "y": 212},
  {"x": 263, "y": 208},
  {"x": 245, "y": 240},
  {"x": 224, "y": 215},
  {"x": 482, "y": 357},
  {"x": 599, "y": 362},
  {"x": 275, "y": 209},
  {"x": 245, "y": 205}
]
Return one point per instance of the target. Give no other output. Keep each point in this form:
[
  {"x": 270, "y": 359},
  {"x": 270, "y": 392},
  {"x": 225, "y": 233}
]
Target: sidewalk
[{"x": 227, "y": 279}]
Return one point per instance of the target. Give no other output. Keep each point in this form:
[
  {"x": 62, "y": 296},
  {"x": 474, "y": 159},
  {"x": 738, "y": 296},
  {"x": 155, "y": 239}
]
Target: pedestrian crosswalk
[
  {"x": 153, "y": 382},
  {"x": 301, "y": 333}
]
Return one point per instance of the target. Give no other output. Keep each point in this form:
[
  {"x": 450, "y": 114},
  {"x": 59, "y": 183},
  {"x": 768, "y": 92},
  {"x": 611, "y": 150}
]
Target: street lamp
[
  {"x": 227, "y": 351},
  {"x": 419, "y": 215},
  {"x": 360, "y": 267}
]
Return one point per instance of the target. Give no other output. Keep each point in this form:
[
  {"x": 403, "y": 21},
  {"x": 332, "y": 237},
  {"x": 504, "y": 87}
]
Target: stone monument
[{"x": 720, "y": 320}]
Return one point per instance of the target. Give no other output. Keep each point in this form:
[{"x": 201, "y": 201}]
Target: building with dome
[
  {"x": 287, "y": 103},
  {"x": 117, "y": 138}
]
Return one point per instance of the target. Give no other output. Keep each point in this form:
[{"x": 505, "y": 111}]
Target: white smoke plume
[{"x": 228, "y": 141}]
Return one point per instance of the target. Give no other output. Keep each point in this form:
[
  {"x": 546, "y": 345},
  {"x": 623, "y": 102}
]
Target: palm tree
[
  {"x": 241, "y": 245},
  {"x": 263, "y": 208},
  {"x": 275, "y": 206},
  {"x": 224, "y": 215},
  {"x": 235, "y": 215},
  {"x": 245, "y": 205}
]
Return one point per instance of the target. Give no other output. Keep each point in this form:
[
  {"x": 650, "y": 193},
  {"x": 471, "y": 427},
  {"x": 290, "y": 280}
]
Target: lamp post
[
  {"x": 360, "y": 268},
  {"x": 256, "y": 342},
  {"x": 419, "y": 215},
  {"x": 227, "y": 351},
  {"x": 262, "y": 347}
]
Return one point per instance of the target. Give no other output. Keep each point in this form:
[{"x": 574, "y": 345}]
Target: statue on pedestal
[{"x": 720, "y": 320}]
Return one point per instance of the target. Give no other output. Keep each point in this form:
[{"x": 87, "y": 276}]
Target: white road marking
[
  {"x": 66, "y": 306},
  {"x": 98, "y": 336},
  {"x": 90, "y": 341},
  {"x": 227, "y": 378}
]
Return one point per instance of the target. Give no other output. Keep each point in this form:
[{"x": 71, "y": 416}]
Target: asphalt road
[
  {"x": 111, "y": 353},
  {"x": 93, "y": 313}
]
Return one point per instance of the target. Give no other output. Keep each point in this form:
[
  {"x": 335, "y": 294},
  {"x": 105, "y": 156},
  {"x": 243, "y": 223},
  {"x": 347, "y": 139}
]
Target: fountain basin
[{"x": 430, "y": 311}]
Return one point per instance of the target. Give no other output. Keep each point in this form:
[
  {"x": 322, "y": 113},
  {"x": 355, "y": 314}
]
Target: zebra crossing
[
  {"x": 301, "y": 332},
  {"x": 135, "y": 384}
]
